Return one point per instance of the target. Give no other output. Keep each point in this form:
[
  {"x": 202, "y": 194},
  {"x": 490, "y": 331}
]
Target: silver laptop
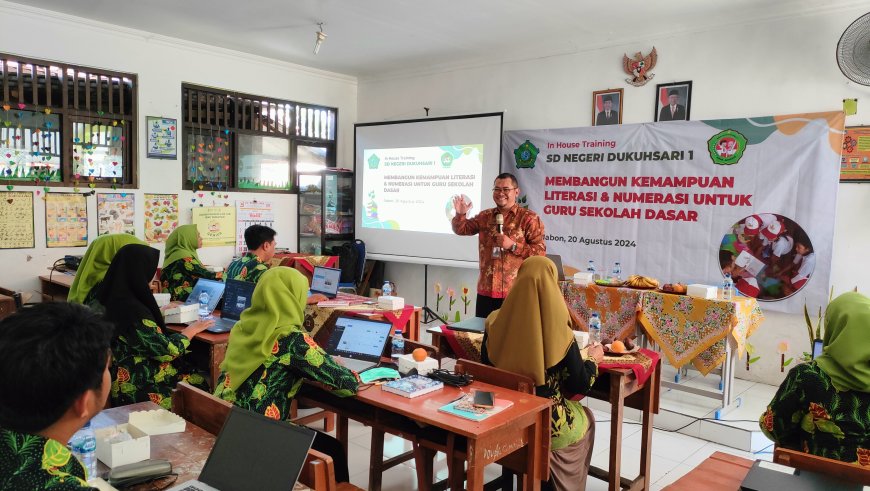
[
  {"x": 253, "y": 452},
  {"x": 214, "y": 288},
  {"x": 237, "y": 298},
  {"x": 359, "y": 342}
]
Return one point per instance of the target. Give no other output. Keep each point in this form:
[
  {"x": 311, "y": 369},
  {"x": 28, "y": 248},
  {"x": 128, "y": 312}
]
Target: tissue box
[
  {"x": 702, "y": 291},
  {"x": 407, "y": 362},
  {"x": 122, "y": 453},
  {"x": 391, "y": 303},
  {"x": 157, "y": 422},
  {"x": 162, "y": 299},
  {"x": 182, "y": 314},
  {"x": 582, "y": 338},
  {"x": 583, "y": 278}
]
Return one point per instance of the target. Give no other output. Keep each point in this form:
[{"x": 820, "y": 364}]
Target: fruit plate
[
  {"x": 640, "y": 287},
  {"x": 609, "y": 283},
  {"x": 659, "y": 289},
  {"x": 626, "y": 352}
]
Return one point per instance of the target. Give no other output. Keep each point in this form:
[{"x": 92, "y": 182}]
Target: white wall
[
  {"x": 162, "y": 64},
  {"x": 775, "y": 67}
]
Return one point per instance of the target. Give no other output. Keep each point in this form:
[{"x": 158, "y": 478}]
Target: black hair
[
  {"x": 673, "y": 92},
  {"x": 257, "y": 235},
  {"x": 725, "y": 257},
  {"x": 50, "y": 354},
  {"x": 801, "y": 237},
  {"x": 508, "y": 175}
]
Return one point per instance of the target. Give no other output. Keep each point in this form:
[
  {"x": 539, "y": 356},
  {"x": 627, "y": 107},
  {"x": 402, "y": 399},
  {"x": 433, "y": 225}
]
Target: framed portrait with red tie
[
  {"x": 673, "y": 101},
  {"x": 607, "y": 107}
]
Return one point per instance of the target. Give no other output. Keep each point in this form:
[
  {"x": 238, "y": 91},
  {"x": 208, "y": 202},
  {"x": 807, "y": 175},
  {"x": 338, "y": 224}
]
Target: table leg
[
  {"x": 617, "y": 402},
  {"x": 341, "y": 432},
  {"x": 424, "y": 459},
  {"x": 538, "y": 453},
  {"x": 414, "y": 325},
  {"x": 376, "y": 461},
  {"x": 455, "y": 465},
  {"x": 474, "y": 475},
  {"x": 649, "y": 394}
]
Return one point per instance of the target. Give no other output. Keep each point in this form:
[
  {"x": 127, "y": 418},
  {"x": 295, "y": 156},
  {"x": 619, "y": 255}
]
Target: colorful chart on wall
[
  {"x": 161, "y": 137},
  {"x": 251, "y": 213},
  {"x": 16, "y": 220},
  {"x": 66, "y": 220},
  {"x": 855, "y": 160},
  {"x": 216, "y": 225},
  {"x": 116, "y": 213},
  {"x": 161, "y": 216}
]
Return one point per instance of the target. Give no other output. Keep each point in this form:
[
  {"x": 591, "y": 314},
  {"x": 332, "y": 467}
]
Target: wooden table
[
  {"x": 56, "y": 285},
  {"x": 524, "y": 425},
  {"x": 621, "y": 390},
  {"x": 720, "y": 472}
]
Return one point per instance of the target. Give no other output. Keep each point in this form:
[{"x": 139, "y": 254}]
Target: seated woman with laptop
[
  {"x": 269, "y": 355},
  {"x": 147, "y": 362},
  {"x": 823, "y": 407},
  {"x": 181, "y": 266}
]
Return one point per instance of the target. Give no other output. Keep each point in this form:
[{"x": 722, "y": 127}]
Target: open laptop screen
[
  {"x": 237, "y": 297},
  {"x": 215, "y": 290},
  {"x": 361, "y": 339},
  {"x": 255, "y": 452},
  {"x": 325, "y": 280}
]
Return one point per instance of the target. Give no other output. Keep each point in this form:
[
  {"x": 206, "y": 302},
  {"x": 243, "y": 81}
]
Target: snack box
[
  {"x": 162, "y": 299},
  {"x": 181, "y": 314},
  {"x": 157, "y": 422},
  {"x": 122, "y": 453},
  {"x": 583, "y": 278},
  {"x": 391, "y": 303},
  {"x": 702, "y": 291}
]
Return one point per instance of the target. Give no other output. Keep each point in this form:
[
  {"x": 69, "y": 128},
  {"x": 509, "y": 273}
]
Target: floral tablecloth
[{"x": 617, "y": 307}]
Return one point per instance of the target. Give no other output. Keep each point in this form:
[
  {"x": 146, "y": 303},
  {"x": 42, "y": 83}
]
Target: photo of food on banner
[{"x": 769, "y": 256}]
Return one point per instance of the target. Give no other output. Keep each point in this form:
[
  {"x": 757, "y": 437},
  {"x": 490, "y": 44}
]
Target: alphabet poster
[
  {"x": 66, "y": 220},
  {"x": 16, "y": 220}
]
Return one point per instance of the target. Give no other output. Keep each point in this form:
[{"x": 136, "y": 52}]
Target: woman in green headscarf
[
  {"x": 823, "y": 407},
  {"x": 181, "y": 266},
  {"x": 94, "y": 265},
  {"x": 269, "y": 355}
]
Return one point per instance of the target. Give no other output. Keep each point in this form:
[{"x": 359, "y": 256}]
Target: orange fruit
[
  {"x": 419, "y": 354},
  {"x": 617, "y": 347}
]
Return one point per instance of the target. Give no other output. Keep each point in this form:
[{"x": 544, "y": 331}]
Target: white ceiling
[{"x": 371, "y": 37}]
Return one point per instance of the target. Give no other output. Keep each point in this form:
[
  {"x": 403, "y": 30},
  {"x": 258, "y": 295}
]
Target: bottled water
[
  {"x": 595, "y": 328},
  {"x": 83, "y": 445},
  {"x": 617, "y": 270},
  {"x": 398, "y": 346},
  {"x": 591, "y": 268},
  {"x": 204, "y": 312},
  {"x": 727, "y": 288},
  {"x": 387, "y": 289}
]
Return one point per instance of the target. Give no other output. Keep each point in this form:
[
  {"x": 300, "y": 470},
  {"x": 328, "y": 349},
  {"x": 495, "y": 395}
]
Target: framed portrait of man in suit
[
  {"x": 607, "y": 107},
  {"x": 673, "y": 101}
]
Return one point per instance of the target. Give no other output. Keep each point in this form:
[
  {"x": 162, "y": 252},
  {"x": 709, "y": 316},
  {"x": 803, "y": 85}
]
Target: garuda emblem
[{"x": 639, "y": 67}]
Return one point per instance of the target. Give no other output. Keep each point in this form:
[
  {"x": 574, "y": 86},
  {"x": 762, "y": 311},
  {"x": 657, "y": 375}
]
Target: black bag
[{"x": 348, "y": 260}]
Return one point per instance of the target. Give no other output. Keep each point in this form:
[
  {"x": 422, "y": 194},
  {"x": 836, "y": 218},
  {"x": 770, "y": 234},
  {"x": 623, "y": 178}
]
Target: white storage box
[
  {"x": 122, "y": 453},
  {"x": 407, "y": 362},
  {"x": 181, "y": 314},
  {"x": 583, "y": 278},
  {"x": 162, "y": 299},
  {"x": 391, "y": 303},
  {"x": 157, "y": 422},
  {"x": 702, "y": 291},
  {"x": 582, "y": 338}
]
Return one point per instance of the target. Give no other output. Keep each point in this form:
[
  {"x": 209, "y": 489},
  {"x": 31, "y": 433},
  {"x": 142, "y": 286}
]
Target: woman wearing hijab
[
  {"x": 94, "y": 265},
  {"x": 823, "y": 407},
  {"x": 181, "y": 267},
  {"x": 530, "y": 335},
  {"x": 145, "y": 364},
  {"x": 269, "y": 356}
]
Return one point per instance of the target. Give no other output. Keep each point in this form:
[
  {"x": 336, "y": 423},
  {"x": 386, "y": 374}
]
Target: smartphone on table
[{"x": 483, "y": 399}]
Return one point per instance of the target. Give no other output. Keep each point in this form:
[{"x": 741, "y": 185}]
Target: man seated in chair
[{"x": 54, "y": 377}]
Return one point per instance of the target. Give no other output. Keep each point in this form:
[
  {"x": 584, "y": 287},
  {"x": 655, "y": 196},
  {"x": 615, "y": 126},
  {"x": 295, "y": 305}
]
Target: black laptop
[
  {"x": 471, "y": 324},
  {"x": 237, "y": 297},
  {"x": 359, "y": 342},
  {"x": 253, "y": 452},
  {"x": 767, "y": 476}
]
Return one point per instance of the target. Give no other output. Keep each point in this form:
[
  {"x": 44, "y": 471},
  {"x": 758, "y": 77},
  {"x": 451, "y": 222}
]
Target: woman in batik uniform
[
  {"x": 181, "y": 267},
  {"x": 94, "y": 265}
]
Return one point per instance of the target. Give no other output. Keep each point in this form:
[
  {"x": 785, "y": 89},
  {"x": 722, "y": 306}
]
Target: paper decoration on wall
[
  {"x": 115, "y": 213},
  {"x": 208, "y": 160},
  {"x": 161, "y": 216},
  {"x": 216, "y": 225},
  {"x": 251, "y": 213},
  {"x": 16, "y": 220},
  {"x": 29, "y": 145},
  {"x": 639, "y": 67},
  {"x": 66, "y": 220},
  {"x": 161, "y": 137}
]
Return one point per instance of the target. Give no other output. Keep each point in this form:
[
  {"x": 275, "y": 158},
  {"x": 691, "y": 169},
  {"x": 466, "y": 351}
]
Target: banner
[{"x": 689, "y": 201}]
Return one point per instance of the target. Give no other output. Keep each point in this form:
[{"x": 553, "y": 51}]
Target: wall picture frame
[
  {"x": 162, "y": 137},
  {"x": 607, "y": 107},
  {"x": 673, "y": 101}
]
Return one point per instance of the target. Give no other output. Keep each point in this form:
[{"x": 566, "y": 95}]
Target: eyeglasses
[{"x": 502, "y": 190}]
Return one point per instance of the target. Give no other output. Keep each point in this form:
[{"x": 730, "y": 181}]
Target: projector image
[{"x": 407, "y": 362}]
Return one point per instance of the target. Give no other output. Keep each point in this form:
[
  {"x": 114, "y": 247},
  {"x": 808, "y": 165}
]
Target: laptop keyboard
[{"x": 356, "y": 365}]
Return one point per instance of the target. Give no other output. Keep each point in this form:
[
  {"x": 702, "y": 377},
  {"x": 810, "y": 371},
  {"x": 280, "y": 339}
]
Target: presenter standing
[{"x": 507, "y": 235}]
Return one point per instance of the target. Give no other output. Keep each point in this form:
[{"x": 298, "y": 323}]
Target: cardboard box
[
  {"x": 582, "y": 338},
  {"x": 391, "y": 303},
  {"x": 122, "y": 453},
  {"x": 702, "y": 291},
  {"x": 182, "y": 314},
  {"x": 157, "y": 422}
]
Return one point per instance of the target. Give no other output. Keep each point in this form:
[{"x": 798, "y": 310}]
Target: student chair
[
  {"x": 813, "y": 463},
  {"x": 209, "y": 413}
]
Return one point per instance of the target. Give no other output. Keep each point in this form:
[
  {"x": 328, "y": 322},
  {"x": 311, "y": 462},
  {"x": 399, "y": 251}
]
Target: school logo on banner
[
  {"x": 374, "y": 161},
  {"x": 525, "y": 155},
  {"x": 726, "y": 147}
]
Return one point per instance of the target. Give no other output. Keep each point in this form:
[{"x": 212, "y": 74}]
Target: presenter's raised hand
[{"x": 460, "y": 205}]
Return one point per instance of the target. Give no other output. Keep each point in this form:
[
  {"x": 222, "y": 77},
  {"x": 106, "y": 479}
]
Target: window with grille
[
  {"x": 66, "y": 124},
  {"x": 241, "y": 142}
]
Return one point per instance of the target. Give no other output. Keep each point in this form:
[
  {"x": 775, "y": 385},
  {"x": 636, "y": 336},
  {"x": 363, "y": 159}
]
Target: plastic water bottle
[
  {"x": 727, "y": 287},
  {"x": 617, "y": 270},
  {"x": 204, "y": 311},
  {"x": 83, "y": 445},
  {"x": 595, "y": 328},
  {"x": 591, "y": 268},
  {"x": 387, "y": 289},
  {"x": 398, "y": 346}
]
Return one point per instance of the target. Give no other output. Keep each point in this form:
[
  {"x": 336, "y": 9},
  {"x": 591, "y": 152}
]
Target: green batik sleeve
[
  {"x": 785, "y": 414},
  {"x": 312, "y": 363},
  {"x": 152, "y": 343},
  {"x": 195, "y": 269}
]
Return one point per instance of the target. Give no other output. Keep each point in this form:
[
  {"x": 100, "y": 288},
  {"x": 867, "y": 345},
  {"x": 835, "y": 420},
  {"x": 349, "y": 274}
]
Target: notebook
[
  {"x": 325, "y": 281},
  {"x": 471, "y": 324},
  {"x": 253, "y": 452},
  {"x": 359, "y": 342},
  {"x": 557, "y": 260},
  {"x": 412, "y": 386},
  {"x": 215, "y": 290},
  {"x": 237, "y": 297},
  {"x": 464, "y": 408}
]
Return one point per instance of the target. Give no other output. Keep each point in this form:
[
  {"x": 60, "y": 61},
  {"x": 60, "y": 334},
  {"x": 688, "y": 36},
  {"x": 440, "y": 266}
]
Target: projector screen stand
[{"x": 429, "y": 315}]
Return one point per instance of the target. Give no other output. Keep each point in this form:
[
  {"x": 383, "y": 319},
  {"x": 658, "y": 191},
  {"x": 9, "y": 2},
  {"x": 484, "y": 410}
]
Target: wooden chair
[
  {"x": 209, "y": 413},
  {"x": 821, "y": 465}
]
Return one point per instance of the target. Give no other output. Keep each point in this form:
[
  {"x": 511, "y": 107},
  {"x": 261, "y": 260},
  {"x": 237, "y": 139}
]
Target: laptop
[
  {"x": 471, "y": 324},
  {"x": 557, "y": 260},
  {"x": 214, "y": 288},
  {"x": 767, "y": 476},
  {"x": 325, "y": 281},
  {"x": 359, "y": 342},
  {"x": 253, "y": 452},
  {"x": 237, "y": 297}
]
